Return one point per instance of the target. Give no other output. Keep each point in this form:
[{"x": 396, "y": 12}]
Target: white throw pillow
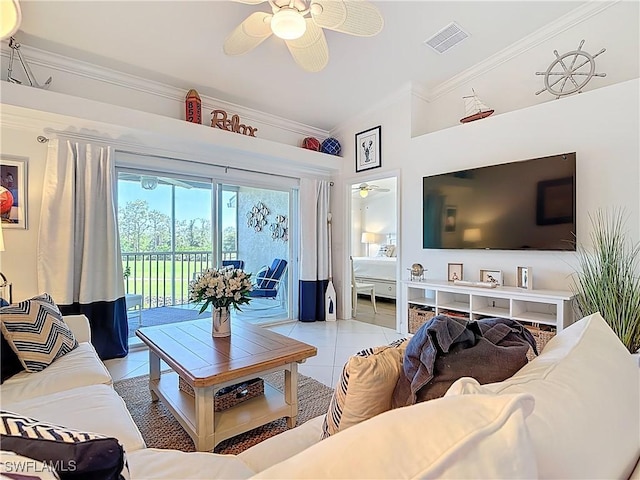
[
  {"x": 586, "y": 422},
  {"x": 465, "y": 436}
]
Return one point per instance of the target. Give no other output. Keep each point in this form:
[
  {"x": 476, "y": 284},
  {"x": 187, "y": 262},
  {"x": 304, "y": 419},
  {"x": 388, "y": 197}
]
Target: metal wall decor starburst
[{"x": 576, "y": 63}]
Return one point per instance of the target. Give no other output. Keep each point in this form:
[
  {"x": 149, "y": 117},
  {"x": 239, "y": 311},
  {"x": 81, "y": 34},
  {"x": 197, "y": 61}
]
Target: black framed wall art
[{"x": 369, "y": 149}]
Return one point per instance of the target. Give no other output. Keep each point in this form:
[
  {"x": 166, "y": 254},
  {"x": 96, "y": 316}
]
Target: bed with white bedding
[{"x": 380, "y": 271}]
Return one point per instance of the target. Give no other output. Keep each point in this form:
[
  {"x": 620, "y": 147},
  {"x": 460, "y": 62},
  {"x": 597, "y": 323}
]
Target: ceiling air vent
[{"x": 446, "y": 38}]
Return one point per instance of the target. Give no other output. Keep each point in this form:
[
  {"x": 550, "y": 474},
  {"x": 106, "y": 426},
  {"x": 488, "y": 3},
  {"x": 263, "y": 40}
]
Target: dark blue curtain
[
  {"x": 109, "y": 326},
  {"x": 312, "y": 300}
]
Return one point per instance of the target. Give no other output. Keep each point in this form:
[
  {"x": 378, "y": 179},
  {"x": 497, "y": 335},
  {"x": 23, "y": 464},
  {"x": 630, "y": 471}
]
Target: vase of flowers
[{"x": 221, "y": 288}]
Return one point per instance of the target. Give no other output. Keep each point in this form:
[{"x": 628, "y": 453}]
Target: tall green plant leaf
[{"x": 607, "y": 280}]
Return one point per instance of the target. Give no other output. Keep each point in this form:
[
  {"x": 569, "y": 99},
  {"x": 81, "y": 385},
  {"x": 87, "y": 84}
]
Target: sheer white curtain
[
  {"x": 79, "y": 260},
  {"x": 314, "y": 248}
]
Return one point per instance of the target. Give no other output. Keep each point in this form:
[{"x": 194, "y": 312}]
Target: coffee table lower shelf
[{"x": 228, "y": 423}]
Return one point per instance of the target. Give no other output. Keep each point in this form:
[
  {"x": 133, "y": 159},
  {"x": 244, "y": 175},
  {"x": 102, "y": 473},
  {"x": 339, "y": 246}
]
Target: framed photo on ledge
[
  {"x": 13, "y": 192},
  {"x": 524, "y": 278},
  {"x": 493, "y": 276},
  {"x": 454, "y": 272},
  {"x": 368, "y": 149}
]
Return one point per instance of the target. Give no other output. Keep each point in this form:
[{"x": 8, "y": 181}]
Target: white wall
[
  {"x": 601, "y": 126},
  {"x": 18, "y": 262},
  {"x": 508, "y": 82},
  {"x": 394, "y": 116},
  {"x": 77, "y": 78}
]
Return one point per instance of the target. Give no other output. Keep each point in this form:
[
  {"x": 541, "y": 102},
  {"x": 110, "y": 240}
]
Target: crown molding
[
  {"x": 54, "y": 61},
  {"x": 571, "y": 19}
]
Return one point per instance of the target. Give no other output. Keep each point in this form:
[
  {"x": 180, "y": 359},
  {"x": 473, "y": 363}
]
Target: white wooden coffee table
[{"x": 209, "y": 364}]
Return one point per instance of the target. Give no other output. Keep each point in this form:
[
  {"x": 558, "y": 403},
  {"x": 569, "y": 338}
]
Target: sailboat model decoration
[{"x": 474, "y": 109}]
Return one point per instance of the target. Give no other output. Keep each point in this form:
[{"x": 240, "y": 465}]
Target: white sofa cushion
[
  {"x": 284, "y": 445},
  {"x": 467, "y": 436},
  {"x": 94, "y": 408},
  {"x": 78, "y": 368},
  {"x": 154, "y": 463},
  {"x": 586, "y": 385}
]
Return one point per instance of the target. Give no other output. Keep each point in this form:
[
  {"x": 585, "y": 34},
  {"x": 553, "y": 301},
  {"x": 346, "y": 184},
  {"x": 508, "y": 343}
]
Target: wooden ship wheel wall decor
[{"x": 576, "y": 63}]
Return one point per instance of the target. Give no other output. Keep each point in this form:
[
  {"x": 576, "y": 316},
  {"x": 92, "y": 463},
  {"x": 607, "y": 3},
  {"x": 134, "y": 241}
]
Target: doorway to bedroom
[{"x": 373, "y": 251}]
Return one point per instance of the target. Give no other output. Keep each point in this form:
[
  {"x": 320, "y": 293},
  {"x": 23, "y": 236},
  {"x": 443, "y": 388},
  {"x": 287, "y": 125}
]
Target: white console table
[{"x": 546, "y": 307}]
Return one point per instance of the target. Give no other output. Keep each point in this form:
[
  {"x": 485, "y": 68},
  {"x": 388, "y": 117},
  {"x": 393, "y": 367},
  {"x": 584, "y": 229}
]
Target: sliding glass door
[{"x": 173, "y": 227}]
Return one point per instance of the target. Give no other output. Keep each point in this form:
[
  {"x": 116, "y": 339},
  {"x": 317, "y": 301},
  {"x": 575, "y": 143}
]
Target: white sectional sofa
[{"x": 573, "y": 412}]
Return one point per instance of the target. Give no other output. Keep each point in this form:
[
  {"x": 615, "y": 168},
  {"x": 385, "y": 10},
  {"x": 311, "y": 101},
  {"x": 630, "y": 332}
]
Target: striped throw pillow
[
  {"x": 35, "y": 330},
  {"x": 72, "y": 453},
  {"x": 365, "y": 387}
]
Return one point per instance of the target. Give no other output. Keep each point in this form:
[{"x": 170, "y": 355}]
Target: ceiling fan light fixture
[
  {"x": 149, "y": 183},
  {"x": 288, "y": 24},
  {"x": 364, "y": 193},
  {"x": 11, "y": 17}
]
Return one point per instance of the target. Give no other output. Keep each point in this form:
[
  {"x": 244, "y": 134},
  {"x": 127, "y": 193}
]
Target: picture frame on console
[
  {"x": 369, "y": 149},
  {"x": 524, "y": 278},
  {"x": 454, "y": 272},
  {"x": 492, "y": 276}
]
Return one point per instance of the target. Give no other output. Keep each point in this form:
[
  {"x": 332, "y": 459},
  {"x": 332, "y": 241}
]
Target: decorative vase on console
[{"x": 221, "y": 288}]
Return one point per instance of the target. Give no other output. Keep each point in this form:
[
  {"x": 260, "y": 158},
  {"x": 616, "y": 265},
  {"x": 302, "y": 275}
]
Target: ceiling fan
[
  {"x": 304, "y": 35},
  {"x": 365, "y": 188}
]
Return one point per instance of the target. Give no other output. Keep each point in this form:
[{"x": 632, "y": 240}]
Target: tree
[
  {"x": 229, "y": 243},
  {"x": 145, "y": 230},
  {"x": 133, "y": 220}
]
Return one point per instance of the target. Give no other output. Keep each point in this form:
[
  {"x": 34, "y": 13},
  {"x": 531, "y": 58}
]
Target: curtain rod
[
  {"x": 115, "y": 143},
  {"x": 199, "y": 162}
]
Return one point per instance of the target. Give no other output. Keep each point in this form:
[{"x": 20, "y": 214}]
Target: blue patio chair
[
  {"x": 269, "y": 279},
  {"x": 233, "y": 263}
]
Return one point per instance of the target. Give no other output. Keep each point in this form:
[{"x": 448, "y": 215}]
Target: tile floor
[{"x": 336, "y": 341}]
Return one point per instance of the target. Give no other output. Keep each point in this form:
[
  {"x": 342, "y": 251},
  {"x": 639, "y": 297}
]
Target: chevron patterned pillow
[
  {"x": 36, "y": 332},
  {"x": 73, "y": 454}
]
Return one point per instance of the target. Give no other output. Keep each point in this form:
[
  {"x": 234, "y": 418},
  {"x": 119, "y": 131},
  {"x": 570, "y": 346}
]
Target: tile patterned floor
[{"x": 336, "y": 341}]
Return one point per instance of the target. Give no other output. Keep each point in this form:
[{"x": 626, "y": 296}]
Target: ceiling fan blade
[
  {"x": 355, "y": 17},
  {"x": 310, "y": 51},
  {"x": 254, "y": 30}
]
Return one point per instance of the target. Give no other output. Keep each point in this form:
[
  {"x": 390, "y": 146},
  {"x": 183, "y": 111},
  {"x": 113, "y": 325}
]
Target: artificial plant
[{"x": 607, "y": 279}]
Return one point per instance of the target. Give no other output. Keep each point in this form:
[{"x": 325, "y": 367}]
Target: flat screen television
[{"x": 523, "y": 205}]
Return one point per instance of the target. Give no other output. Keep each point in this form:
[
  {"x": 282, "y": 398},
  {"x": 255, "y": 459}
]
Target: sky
[{"x": 190, "y": 203}]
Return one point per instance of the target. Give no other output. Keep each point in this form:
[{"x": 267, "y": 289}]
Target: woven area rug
[{"x": 161, "y": 430}]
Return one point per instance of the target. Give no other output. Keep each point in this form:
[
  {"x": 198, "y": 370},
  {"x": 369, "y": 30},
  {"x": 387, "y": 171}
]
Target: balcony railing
[{"x": 162, "y": 278}]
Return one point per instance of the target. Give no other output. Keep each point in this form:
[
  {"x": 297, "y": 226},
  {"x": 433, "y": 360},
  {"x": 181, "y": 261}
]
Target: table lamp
[{"x": 368, "y": 238}]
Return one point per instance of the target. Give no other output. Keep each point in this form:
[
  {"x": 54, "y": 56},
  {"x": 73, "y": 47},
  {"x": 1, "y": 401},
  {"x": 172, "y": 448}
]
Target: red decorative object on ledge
[{"x": 193, "y": 107}]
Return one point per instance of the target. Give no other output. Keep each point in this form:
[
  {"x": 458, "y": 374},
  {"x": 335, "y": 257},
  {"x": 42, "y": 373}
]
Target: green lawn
[{"x": 154, "y": 278}]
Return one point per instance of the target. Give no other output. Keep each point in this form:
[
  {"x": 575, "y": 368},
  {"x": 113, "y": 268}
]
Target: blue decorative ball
[{"x": 331, "y": 146}]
